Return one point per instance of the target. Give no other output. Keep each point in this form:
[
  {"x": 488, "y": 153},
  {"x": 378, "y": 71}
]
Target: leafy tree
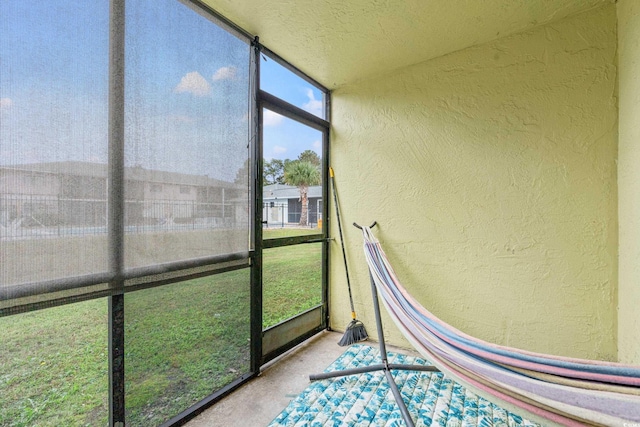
[
  {"x": 311, "y": 157},
  {"x": 274, "y": 171},
  {"x": 302, "y": 174}
]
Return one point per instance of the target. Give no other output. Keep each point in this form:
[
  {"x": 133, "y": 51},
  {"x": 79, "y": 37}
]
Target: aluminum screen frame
[
  {"x": 117, "y": 277},
  {"x": 30, "y": 290}
]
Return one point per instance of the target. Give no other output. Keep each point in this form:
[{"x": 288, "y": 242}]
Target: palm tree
[{"x": 302, "y": 174}]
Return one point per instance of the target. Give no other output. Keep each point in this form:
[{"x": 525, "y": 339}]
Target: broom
[{"x": 355, "y": 330}]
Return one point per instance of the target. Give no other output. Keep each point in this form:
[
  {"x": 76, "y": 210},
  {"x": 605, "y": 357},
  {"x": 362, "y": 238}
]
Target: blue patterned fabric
[{"x": 366, "y": 399}]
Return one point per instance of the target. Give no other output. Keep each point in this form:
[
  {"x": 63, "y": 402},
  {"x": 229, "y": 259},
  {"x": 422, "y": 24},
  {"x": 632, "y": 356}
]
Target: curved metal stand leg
[{"x": 385, "y": 366}]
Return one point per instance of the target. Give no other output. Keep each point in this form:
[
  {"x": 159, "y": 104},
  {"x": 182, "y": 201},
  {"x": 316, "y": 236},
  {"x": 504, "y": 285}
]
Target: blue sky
[
  {"x": 284, "y": 138},
  {"x": 52, "y": 104},
  {"x": 186, "y": 89}
]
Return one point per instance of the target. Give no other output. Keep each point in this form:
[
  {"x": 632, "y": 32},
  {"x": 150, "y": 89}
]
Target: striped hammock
[{"x": 549, "y": 389}]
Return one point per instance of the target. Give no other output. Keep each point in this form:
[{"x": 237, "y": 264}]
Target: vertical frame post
[
  {"x": 256, "y": 189},
  {"x": 115, "y": 211},
  {"x": 116, "y": 361},
  {"x": 326, "y": 161}
]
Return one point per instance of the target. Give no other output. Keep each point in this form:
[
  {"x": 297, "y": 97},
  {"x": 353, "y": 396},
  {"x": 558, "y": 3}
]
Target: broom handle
[{"x": 344, "y": 253}]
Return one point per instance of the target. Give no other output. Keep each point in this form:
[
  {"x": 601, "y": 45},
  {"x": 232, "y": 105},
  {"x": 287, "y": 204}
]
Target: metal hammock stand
[{"x": 385, "y": 365}]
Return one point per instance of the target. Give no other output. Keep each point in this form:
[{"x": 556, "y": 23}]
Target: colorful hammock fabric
[{"x": 550, "y": 389}]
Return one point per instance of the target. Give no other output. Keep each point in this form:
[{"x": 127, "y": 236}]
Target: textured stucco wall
[
  {"x": 492, "y": 174},
  {"x": 629, "y": 180}
]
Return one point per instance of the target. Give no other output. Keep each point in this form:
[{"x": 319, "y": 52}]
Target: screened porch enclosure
[
  {"x": 131, "y": 281},
  {"x": 147, "y": 270}
]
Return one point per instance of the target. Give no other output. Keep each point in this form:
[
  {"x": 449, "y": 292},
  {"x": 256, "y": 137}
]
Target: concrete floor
[{"x": 258, "y": 402}]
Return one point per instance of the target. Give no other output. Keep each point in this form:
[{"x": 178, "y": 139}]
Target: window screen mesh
[
  {"x": 186, "y": 143},
  {"x": 53, "y": 143},
  {"x": 53, "y": 367},
  {"x": 186, "y": 137},
  {"x": 183, "y": 342}
]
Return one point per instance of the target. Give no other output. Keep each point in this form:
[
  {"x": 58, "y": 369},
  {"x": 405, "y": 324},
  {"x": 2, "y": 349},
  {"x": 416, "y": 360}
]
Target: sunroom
[{"x": 495, "y": 143}]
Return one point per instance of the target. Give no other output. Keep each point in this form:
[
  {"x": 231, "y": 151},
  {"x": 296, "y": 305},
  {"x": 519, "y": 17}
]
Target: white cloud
[
  {"x": 270, "y": 118},
  {"x": 225, "y": 73},
  {"x": 279, "y": 150},
  {"x": 317, "y": 145},
  {"x": 194, "y": 84},
  {"x": 314, "y": 106},
  {"x": 5, "y": 103}
]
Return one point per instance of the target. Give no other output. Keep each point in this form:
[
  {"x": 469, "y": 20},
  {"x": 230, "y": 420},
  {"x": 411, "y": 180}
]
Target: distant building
[
  {"x": 75, "y": 194},
  {"x": 282, "y": 205}
]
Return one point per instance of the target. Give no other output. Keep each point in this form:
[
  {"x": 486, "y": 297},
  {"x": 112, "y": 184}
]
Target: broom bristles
[{"x": 354, "y": 333}]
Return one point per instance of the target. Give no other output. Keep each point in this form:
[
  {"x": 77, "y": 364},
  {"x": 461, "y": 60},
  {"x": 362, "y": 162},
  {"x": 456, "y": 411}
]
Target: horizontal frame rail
[
  {"x": 70, "y": 283},
  {"x": 292, "y": 112}
]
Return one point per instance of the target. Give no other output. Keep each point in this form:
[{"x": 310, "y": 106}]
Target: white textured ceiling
[{"x": 337, "y": 42}]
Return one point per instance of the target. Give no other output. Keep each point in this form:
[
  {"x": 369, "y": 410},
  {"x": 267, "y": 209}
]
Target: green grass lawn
[
  {"x": 274, "y": 233},
  {"x": 292, "y": 281},
  {"x": 182, "y": 341},
  {"x": 53, "y": 366}
]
